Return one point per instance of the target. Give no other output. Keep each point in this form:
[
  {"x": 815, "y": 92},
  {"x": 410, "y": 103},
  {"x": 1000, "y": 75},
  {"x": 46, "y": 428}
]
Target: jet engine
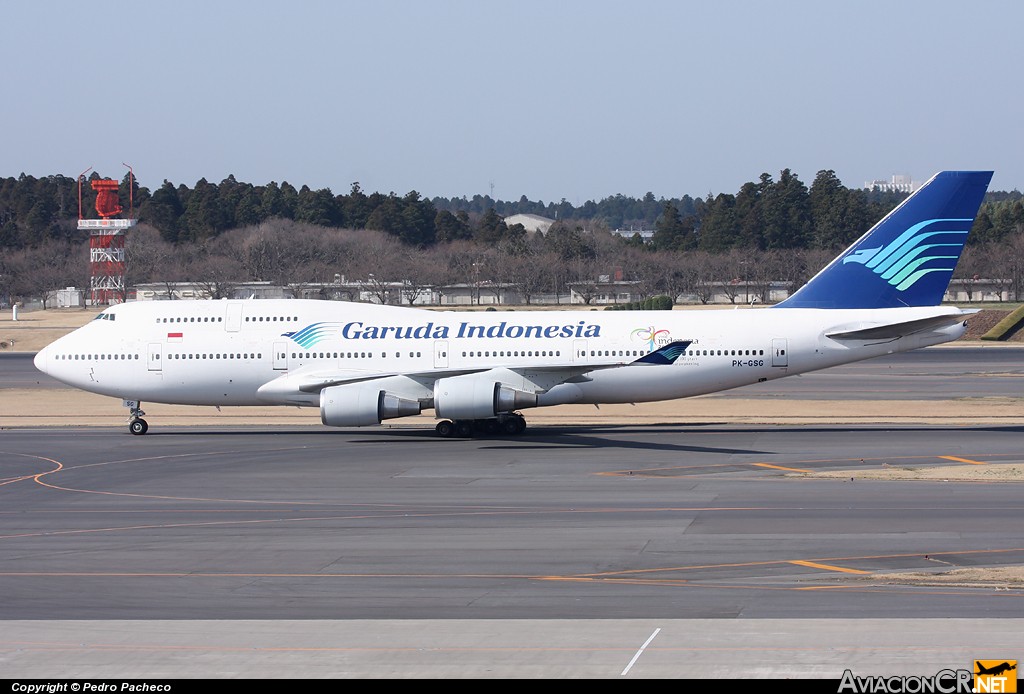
[
  {"x": 360, "y": 405},
  {"x": 477, "y": 397}
]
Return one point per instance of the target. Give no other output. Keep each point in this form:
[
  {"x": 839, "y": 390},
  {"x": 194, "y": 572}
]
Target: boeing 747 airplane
[{"x": 364, "y": 363}]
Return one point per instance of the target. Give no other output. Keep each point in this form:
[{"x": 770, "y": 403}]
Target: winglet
[{"x": 665, "y": 355}]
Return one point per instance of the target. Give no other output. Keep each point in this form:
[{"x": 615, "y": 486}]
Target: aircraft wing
[{"x": 535, "y": 379}]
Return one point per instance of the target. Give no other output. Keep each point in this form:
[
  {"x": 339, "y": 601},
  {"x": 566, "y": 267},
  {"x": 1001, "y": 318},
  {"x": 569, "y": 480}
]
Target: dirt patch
[
  {"x": 999, "y": 577},
  {"x": 960, "y": 472},
  {"x": 34, "y": 330},
  {"x": 980, "y": 323}
]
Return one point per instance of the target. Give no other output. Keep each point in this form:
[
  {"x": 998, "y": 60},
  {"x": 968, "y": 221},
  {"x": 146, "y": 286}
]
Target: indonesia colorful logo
[
  {"x": 900, "y": 263},
  {"x": 652, "y": 336}
]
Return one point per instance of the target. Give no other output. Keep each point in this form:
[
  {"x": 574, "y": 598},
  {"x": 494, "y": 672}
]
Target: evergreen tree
[
  {"x": 417, "y": 225},
  {"x": 450, "y": 228},
  {"x": 386, "y": 215},
  {"x": 317, "y": 207},
  {"x": 786, "y": 213},
  {"x": 249, "y": 210},
  {"x": 163, "y": 210},
  {"x": 356, "y": 207},
  {"x": 672, "y": 232},
  {"x": 748, "y": 214},
  {"x": 828, "y": 209},
  {"x": 204, "y": 216},
  {"x": 490, "y": 229},
  {"x": 718, "y": 226}
]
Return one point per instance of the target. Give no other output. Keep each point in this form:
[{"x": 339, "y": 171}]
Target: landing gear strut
[
  {"x": 136, "y": 424},
  {"x": 509, "y": 424}
]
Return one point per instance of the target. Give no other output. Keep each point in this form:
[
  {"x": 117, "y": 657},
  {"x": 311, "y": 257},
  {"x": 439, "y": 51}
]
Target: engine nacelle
[
  {"x": 477, "y": 397},
  {"x": 360, "y": 405}
]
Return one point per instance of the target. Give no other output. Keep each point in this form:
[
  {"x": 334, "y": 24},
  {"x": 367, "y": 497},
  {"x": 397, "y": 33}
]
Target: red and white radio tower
[{"x": 106, "y": 239}]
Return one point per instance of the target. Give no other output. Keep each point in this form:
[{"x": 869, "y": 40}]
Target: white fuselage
[{"x": 241, "y": 353}]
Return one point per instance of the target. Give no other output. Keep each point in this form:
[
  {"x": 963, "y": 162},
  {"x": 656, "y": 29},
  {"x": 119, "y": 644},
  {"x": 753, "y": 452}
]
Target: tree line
[
  {"x": 770, "y": 230},
  {"x": 766, "y": 214},
  {"x": 325, "y": 260}
]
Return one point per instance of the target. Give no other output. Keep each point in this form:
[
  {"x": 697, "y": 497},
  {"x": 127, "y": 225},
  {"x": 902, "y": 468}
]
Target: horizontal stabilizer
[
  {"x": 665, "y": 355},
  {"x": 895, "y": 330}
]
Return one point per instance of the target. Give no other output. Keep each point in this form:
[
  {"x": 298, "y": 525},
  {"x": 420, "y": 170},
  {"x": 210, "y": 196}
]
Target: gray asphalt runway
[
  {"x": 190, "y": 524},
  {"x": 394, "y": 553}
]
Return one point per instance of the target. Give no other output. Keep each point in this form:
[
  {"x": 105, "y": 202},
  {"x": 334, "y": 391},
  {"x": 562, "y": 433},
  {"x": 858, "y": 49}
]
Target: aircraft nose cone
[{"x": 40, "y": 360}]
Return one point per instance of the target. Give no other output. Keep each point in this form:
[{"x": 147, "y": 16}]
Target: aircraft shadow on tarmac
[{"x": 576, "y": 437}]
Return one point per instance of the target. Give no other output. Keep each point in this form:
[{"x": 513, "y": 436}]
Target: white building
[
  {"x": 898, "y": 184},
  {"x": 531, "y": 222},
  {"x": 645, "y": 234}
]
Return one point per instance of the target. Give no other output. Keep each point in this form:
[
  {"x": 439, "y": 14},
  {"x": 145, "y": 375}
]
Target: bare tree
[
  {"x": 41, "y": 271},
  {"x": 969, "y": 270},
  {"x": 1013, "y": 247},
  {"x": 466, "y": 264},
  {"x": 991, "y": 263},
  {"x": 584, "y": 282},
  {"x": 420, "y": 273},
  {"x": 524, "y": 269},
  {"x": 148, "y": 258},
  {"x": 704, "y": 273},
  {"x": 675, "y": 275},
  {"x": 378, "y": 260},
  {"x": 215, "y": 269}
]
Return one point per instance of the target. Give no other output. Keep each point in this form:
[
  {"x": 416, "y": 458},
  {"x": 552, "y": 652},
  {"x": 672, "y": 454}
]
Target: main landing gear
[
  {"x": 508, "y": 424},
  {"x": 136, "y": 424}
]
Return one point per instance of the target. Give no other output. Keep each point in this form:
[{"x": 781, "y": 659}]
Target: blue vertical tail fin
[{"x": 908, "y": 258}]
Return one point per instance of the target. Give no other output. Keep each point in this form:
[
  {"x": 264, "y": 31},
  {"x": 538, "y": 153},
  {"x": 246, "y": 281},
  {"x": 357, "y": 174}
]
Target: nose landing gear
[{"x": 136, "y": 424}]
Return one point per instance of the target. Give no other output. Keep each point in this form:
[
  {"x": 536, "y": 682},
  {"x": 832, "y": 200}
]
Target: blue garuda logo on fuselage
[
  {"x": 313, "y": 333},
  {"x": 909, "y": 257}
]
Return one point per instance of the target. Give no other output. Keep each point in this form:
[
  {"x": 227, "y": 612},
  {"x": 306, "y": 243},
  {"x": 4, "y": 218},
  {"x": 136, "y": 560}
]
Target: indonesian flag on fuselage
[{"x": 174, "y": 337}]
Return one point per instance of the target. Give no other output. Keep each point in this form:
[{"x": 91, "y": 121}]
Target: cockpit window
[{"x": 106, "y": 316}]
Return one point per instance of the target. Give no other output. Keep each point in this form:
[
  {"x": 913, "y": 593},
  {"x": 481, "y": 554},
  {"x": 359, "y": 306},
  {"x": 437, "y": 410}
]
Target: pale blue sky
[{"x": 579, "y": 100}]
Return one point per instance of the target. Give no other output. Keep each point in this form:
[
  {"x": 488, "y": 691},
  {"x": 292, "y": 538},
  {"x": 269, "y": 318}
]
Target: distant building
[
  {"x": 977, "y": 289},
  {"x": 645, "y": 234},
  {"x": 898, "y": 184},
  {"x": 68, "y": 298},
  {"x": 531, "y": 222}
]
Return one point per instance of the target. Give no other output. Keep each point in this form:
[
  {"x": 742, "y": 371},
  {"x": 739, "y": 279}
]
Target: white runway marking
[{"x": 638, "y": 653}]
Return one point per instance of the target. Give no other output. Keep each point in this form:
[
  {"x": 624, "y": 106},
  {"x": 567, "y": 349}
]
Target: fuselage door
[
  {"x": 233, "y": 323},
  {"x": 579, "y": 351},
  {"x": 154, "y": 360},
  {"x": 779, "y": 357},
  {"x": 441, "y": 354},
  {"x": 281, "y": 356}
]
